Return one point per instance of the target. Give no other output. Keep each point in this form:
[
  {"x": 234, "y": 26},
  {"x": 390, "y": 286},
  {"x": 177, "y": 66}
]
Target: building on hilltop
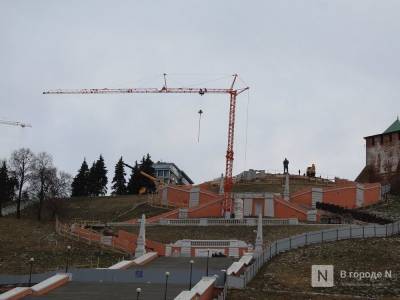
[
  {"x": 382, "y": 153},
  {"x": 170, "y": 173}
]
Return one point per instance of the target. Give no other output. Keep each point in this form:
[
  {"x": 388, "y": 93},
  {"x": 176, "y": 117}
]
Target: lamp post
[
  {"x": 67, "y": 258},
  {"x": 224, "y": 271},
  {"x": 190, "y": 277},
  {"x": 138, "y": 291},
  {"x": 223, "y": 292},
  {"x": 166, "y": 285},
  {"x": 31, "y": 260},
  {"x": 208, "y": 255}
]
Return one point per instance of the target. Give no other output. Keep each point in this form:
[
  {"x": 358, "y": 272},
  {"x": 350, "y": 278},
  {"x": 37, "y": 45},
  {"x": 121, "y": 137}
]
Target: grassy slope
[
  {"x": 291, "y": 271},
  {"x": 25, "y": 238},
  {"x": 273, "y": 185},
  {"x": 388, "y": 209},
  {"x": 169, "y": 234}
]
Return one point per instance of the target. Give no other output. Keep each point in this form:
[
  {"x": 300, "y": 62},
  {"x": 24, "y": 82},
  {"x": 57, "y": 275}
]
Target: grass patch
[
  {"x": 288, "y": 276},
  {"x": 170, "y": 234},
  {"x": 26, "y": 238},
  {"x": 389, "y": 209}
]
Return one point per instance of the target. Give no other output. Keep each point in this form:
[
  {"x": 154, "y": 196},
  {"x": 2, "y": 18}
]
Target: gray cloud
[{"x": 323, "y": 74}]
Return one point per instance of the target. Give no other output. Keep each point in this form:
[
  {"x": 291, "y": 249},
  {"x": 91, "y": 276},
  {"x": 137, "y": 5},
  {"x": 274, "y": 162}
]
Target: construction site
[{"x": 175, "y": 230}]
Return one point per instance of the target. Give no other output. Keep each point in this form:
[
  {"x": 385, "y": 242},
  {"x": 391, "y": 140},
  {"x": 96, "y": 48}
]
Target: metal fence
[{"x": 309, "y": 238}]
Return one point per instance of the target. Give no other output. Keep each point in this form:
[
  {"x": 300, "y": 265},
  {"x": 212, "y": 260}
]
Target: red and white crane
[
  {"x": 231, "y": 91},
  {"x": 12, "y": 123}
]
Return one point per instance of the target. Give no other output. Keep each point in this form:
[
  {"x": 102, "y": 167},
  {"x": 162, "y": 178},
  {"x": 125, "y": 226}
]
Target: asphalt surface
[
  {"x": 183, "y": 263},
  {"x": 111, "y": 291},
  {"x": 124, "y": 290}
]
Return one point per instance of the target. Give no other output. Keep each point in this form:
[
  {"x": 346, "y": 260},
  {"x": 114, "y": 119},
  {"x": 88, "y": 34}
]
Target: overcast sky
[{"x": 322, "y": 75}]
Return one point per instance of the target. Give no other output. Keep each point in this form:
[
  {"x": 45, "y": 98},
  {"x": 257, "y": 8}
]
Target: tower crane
[
  {"x": 11, "y": 123},
  {"x": 232, "y": 91}
]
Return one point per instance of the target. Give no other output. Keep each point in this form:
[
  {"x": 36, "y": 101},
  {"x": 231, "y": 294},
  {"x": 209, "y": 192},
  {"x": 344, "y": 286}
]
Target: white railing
[
  {"x": 314, "y": 237},
  {"x": 226, "y": 222},
  {"x": 199, "y": 222}
]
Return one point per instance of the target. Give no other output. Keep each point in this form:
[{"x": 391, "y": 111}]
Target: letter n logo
[{"x": 322, "y": 276}]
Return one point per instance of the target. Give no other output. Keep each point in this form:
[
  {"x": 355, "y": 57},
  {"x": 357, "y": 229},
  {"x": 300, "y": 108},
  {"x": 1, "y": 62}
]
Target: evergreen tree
[
  {"x": 133, "y": 183},
  {"x": 80, "y": 182},
  {"x": 147, "y": 167},
  {"x": 119, "y": 182},
  {"x": 101, "y": 175},
  {"x": 7, "y": 186},
  {"x": 92, "y": 181},
  {"x": 97, "y": 181}
]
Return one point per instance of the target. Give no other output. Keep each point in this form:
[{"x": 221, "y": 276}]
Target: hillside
[
  {"x": 273, "y": 184},
  {"x": 288, "y": 276},
  {"x": 25, "y": 238},
  {"x": 109, "y": 208}
]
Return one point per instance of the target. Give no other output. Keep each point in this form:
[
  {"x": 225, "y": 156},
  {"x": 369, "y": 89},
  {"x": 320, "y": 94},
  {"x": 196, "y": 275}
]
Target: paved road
[
  {"x": 111, "y": 291},
  {"x": 179, "y": 269},
  {"x": 182, "y": 263}
]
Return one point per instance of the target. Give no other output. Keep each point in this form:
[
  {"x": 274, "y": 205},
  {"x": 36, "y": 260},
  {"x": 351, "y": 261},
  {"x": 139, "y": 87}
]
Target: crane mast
[
  {"x": 12, "y": 123},
  {"x": 231, "y": 91}
]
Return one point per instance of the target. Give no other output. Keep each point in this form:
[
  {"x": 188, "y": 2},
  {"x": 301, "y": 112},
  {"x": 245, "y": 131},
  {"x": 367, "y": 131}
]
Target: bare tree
[
  {"x": 44, "y": 175},
  {"x": 21, "y": 162},
  {"x": 61, "y": 186}
]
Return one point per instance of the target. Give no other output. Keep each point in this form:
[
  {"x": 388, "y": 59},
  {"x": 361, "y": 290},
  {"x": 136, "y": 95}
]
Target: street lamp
[
  {"x": 138, "y": 291},
  {"x": 67, "y": 258},
  {"x": 166, "y": 285},
  {"x": 208, "y": 255},
  {"x": 224, "y": 289},
  {"x": 224, "y": 271},
  {"x": 31, "y": 260},
  {"x": 191, "y": 269}
]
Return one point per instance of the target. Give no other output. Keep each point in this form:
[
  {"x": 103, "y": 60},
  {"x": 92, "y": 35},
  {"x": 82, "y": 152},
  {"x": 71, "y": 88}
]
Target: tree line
[
  {"x": 93, "y": 181},
  {"x": 29, "y": 176}
]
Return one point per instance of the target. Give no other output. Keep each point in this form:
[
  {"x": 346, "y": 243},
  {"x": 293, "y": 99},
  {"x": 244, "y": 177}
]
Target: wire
[
  {"x": 247, "y": 127},
  {"x": 198, "y": 132}
]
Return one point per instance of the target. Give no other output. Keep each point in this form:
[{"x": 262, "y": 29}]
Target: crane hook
[{"x": 200, "y": 112}]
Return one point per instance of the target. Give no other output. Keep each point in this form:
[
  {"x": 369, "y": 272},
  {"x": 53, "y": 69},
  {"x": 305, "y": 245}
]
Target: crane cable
[
  {"x": 200, "y": 112},
  {"x": 247, "y": 127}
]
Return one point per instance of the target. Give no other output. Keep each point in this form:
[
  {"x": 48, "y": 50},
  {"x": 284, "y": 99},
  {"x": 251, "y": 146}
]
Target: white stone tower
[
  {"x": 259, "y": 238},
  {"x": 286, "y": 191},
  {"x": 141, "y": 240}
]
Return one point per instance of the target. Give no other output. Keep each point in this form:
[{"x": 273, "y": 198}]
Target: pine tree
[
  {"x": 119, "y": 182},
  {"x": 80, "y": 182},
  {"x": 133, "y": 183},
  {"x": 97, "y": 180},
  {"x": 147, "y": 167},
  {"x": 92, "y": 181},
  {"x": 101, "y": 173}
]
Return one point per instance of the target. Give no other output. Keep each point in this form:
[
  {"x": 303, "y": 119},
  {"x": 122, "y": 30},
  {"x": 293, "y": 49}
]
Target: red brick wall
[
  {"x": 302, "y": 198},
  {"x": 345, "y": 197},
  {"x": 285, "y": 210},
  {"x": 372, "y": 194},
  {"x": 207, "y": 210},
  {"x": 177, "y": 197}
]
